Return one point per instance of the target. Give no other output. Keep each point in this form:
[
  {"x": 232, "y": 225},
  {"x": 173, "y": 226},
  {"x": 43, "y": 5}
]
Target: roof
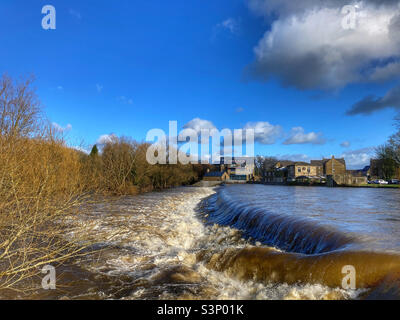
[
  {"x": 317, "y": 162},
  {"x": 233, "y": 160},
  {"x": 301, "y": 163},
  {"x": 323, "y": 161},
  {"x": 338, "y": 159},
  {"x": 284, "y": 163},
  {"x": 214, "y": 174}
]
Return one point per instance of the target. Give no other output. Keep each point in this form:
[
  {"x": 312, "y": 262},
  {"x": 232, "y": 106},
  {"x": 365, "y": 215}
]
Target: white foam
[{"x": 155, "y": 232}]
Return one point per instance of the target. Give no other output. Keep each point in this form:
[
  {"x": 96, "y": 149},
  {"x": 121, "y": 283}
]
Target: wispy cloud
[
  {"x": 80, "y": 149},
  {"x": 355, "y": 159},
  {"x": 229, "y": 26},
  {"x": 294, "y": 157},
  {"x": 371, "y": 104},
  {"x": 106, "y": 138},
  {"x": 298, "y": 136},
  {"x": 345, "y": 144},
  {"x": 232, "y": 25},
  {"x": 99, "y": 88},
  {"x": 60, "y": 128},
  {"x": 358, "y": 159},
  {"x": 125, "y": 100},
  {"x": 75, "y": 14}
]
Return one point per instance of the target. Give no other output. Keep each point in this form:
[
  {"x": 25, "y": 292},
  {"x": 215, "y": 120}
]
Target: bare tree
[
  {"x": 19, "y": 107},
  {"x": 40, "y": 187},
  {"x": 263, "y": 164}
]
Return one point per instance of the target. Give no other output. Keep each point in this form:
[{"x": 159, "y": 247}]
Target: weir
[
  {"x": 295, "y": 248},
  {"x": 288, "y": 233}
]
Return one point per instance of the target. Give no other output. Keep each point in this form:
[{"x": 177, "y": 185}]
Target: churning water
[{"x": 239, "y": 242}]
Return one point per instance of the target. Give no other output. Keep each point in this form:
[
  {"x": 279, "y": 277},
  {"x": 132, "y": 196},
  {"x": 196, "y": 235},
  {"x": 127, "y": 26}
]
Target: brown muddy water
[{"x": 238, "y": 242}]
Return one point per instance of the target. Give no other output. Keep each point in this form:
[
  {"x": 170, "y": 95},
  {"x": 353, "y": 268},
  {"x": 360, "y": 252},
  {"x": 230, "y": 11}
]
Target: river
[{"x": 237, "y": 242}]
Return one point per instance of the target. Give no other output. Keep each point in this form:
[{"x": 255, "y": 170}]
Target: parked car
[
  {"x": 394, "y": 181},
  {"x": 378, "y": 181}
]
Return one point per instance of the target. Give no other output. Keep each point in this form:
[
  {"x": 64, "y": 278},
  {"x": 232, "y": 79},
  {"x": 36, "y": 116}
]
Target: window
[{"x": 299, "y": 170}]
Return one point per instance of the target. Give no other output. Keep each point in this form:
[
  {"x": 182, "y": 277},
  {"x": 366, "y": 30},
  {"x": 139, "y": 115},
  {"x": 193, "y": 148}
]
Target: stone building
[
  {"x": 330, "y": 166},
  {"x": 238, "y": 168},
  {"x": 301, "y": 169},
  {"x": 216, "y": 176}
]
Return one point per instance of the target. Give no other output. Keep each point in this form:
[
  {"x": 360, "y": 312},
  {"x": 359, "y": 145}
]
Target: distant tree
[
  {"x": 385, "y": 154},
  {"x": 263, "y": 164},
  {"x": 95, "y": 151},
  {"x": 389, "y": 154},
  {"x": 394, "y": 143}
]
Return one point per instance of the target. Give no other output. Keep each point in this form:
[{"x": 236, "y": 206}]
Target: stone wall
[{"x": 345, "y": 179}]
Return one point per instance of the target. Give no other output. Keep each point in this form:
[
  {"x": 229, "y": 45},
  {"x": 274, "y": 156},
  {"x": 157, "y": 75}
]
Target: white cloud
[
  {"x": 99, "y": 88},
  {"x": 106, "y": 138},
  {"x": 355, "y": 159},
  {"x": 198, "y": 124},
  {"x": 294, "y": 157},
  {"x": 264, "y": 132},
  {"x": 81, "y": 149},
  {"x": 345, "y": 144},
  {"x": 60, "y": 88},
  {"x": 298, "y": 136},
  {"x": 75, "y": 14},
  {"x": 358, "y": 159},
  {"x": 308, "y": 48},
  {"x": 125, "y": 100},
  {"x": 60, "y": 128},
  {"x": 239, "y": 110},
  {"x": 230, "y": 24}
]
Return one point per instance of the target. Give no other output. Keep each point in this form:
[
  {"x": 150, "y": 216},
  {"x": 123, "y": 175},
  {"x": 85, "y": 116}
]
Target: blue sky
[{"x": 125, "y": 67}]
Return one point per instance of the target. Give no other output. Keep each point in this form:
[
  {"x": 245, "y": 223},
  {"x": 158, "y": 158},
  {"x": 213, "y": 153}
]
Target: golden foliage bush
[
  {"x": 122, "y": 168},
  {"x": 40, "y": 185}
]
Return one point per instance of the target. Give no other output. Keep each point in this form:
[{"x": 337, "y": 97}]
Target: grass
[{"x": 393, "y": 186}]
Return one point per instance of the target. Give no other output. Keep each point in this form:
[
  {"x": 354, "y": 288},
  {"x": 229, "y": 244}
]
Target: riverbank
[{"x": 294, "y": 184}]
